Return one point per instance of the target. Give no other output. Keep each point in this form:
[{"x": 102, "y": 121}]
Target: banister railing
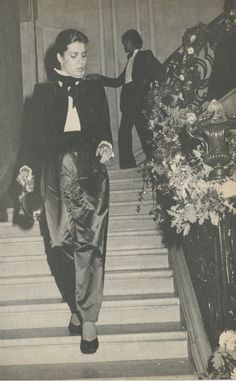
[
  {"x": 211, "y": 33},
  {"x": 217, "y": 20},
  {"x": 210, "y": 256},
  {"x": 210, "y": 250}
]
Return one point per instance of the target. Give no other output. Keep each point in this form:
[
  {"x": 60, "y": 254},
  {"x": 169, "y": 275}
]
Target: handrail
[
  {"x": 212, "y": 23},
  {"x": 196, "y": 91},
  {"x": 209, "y": 254}
]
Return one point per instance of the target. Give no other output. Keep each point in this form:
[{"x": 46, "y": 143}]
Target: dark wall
[{"x": 11, "y": 93}]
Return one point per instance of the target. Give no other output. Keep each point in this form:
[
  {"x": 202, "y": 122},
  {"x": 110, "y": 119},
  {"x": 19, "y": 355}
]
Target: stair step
[
  {"x": 132, "y": 173},
  {"x": 132, "y": 240},
  {"x": 32, "y": 264},
  {"x": 174, "y": 369},
  {"x": 113, "y": 251},
  {"x": 128, "y": 183},
  {"x": 119, "y": 208},
  {"x": 122, "y": 240},
  {"x": 139, "y": 323},
  {"x": 132, "y": 222},
  {"x": 8, "y": 229},
  {"x": 116, "y": 283},
  {"x": 113, "y": 312},
  {"x": 14, "y": 248},
  {"x": 113, "y": 329},
  {"x": 125, "y": 233},
  {"x": 25, "y": 251},
  {"x": 129, "y": 195},
  {"x": 124, "y": 347},
  {"x": 126, "y": 208}
]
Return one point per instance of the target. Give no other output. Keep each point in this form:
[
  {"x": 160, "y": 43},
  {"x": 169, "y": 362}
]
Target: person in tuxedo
[
  {"x": 66, "y": 142},
  {"x": 141, "y": 70}
]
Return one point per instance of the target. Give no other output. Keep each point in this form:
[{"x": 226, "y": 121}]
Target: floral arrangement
[
  {"x": 222, "y": 363},
  {"x": 183, "y": 193}
]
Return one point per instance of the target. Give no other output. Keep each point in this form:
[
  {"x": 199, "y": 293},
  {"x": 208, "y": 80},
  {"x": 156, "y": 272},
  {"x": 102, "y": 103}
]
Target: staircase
[{"x": 139, "y": 325}]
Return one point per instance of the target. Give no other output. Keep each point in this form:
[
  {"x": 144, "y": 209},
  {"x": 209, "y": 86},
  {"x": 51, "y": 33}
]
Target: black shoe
[
  {"x": 75, "y": 330},
  {"x": 89, "y": 347}
]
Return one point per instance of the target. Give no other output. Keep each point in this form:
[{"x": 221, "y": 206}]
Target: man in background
[{"x": 141, "y": 70}]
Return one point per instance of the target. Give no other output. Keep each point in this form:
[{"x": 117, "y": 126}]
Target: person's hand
[
  {"x": 25, "y": 178},
  {"x": 105, "y": 152},
  {"x": 94, "y": 76}
]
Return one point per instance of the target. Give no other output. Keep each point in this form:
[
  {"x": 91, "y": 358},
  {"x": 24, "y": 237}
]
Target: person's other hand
[
  {"x": 94, "y": 76},
  {"x": 105, "y": 152}
]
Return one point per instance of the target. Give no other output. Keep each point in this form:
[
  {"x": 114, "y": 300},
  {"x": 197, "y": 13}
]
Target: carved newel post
[{"x": 212, "y": 130}]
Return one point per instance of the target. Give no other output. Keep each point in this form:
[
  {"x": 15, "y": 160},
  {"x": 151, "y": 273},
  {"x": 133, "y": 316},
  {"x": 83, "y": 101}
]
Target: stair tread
[
  {"x": 112, "y": 274},
  {"x": 116, "y": 251},
  {"x": 61, "y": 306},
  {"x": 124, "y": 233},
  {"x": 125, "y": 202},
  {"x": 156, "y": 331},
  {"x": 149, "y": 252},
  {"x": 105, "y": 298},
  {"x": 137, "y": 216},
  {"x": 161, "y": 369},
  {"x": 103, "y": 338}
]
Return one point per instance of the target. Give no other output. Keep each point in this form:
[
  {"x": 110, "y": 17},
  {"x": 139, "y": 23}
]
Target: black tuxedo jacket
[
  {"x": 43, "y": 134},
  {"x": 146, "y": 69}
]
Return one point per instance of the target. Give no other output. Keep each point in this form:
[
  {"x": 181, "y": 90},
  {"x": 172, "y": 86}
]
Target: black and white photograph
[{"x": 117, "y": 190}]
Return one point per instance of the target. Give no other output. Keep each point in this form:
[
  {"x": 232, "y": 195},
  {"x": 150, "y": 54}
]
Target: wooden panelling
[
  {"x": 29, "y": 73},
  {"x": 11, "y": 95}
]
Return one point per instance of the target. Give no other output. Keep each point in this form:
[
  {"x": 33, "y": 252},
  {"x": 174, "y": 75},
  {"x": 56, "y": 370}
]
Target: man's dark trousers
[{"x": 129, "y": 119}]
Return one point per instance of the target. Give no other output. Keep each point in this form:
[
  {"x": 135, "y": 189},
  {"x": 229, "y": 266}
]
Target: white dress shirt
[
  {"x": 72, "y": 119},
  {"x": 129, "y": 67}
]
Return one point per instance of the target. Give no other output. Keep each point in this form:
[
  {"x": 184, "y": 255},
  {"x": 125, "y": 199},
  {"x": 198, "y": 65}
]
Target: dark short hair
[
  {"x": 133, "y": 36},
  {"x": 67, "y": 37}
]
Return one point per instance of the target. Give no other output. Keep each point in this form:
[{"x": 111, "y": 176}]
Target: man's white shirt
[{"x": 129, "y": 67}]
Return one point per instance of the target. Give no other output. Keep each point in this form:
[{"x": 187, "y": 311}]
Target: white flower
[
  {"x": 181, "y": 77},
  {"x": 196, "y": 152},
  {"x": 190, "y": 50},
  {"x": 215, "y": 106},
  {"x": 227, "y": 340},
  {"x": 189, "y": 213},
  {"x": 232, "y": 12},
  {"x": 214, "y": 217},
  {"x": 186, "y": 229},
  {"x": 233, "y": 374},
  {"x": 192, "y": 38},
  {"x": 228, "y": 189},
  {"x": 191, "y": 117}
]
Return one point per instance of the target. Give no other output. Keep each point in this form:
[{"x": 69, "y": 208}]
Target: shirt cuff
[{"x": 105, "y": 142}]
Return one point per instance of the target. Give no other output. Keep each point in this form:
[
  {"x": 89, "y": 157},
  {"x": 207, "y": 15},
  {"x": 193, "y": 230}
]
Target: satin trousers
[{"x": 76, "y": 212}]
